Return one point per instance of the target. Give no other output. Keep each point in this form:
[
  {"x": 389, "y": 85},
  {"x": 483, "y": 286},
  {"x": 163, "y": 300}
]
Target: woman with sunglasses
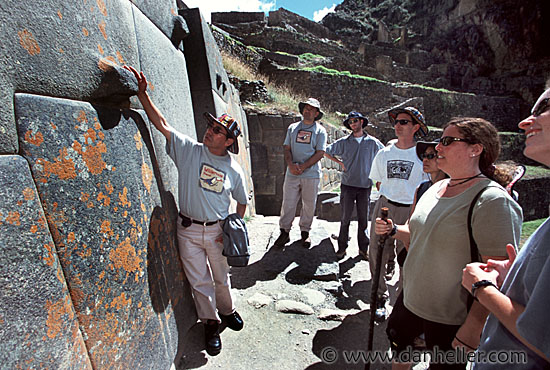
[
  {"x": 518, "y": 322},
  {"x": 434, "y": 301}
]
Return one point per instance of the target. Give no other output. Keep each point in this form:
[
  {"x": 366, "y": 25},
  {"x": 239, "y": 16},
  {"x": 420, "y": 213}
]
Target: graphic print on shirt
[
  {"x": 211, "y": 179},
  {"x": 399, "y": 169},
  {"x": 304, "y": 137}
]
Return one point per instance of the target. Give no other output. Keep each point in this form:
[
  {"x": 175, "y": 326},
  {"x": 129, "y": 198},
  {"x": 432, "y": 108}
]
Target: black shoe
[
  {"x": 340, "y": 253},
  {"x": 233, "y": 321},
  {"x": 380, "y": 314},
  {"x": 364, "y": 254},
  {"x": 212, "y": 338},
  {"x": 282, "y": 239},
  {"x": 390, "y": 269},
  {"x": 306, "y": 241}
]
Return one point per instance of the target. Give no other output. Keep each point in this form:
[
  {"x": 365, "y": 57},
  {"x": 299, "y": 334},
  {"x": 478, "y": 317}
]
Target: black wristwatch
[
  {"x": 480, "y": 284},
  {"x": 393, "y": 230}
]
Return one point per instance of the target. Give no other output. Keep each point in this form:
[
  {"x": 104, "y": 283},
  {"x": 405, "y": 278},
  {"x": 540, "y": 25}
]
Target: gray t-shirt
[
  {"x": 206, "y": 182},
  {"x": 440, "y": 247},
  {"x": 527, "y": 283},
  {"x": 304, "y": 140},
  {"x": 357, "y": 155}
]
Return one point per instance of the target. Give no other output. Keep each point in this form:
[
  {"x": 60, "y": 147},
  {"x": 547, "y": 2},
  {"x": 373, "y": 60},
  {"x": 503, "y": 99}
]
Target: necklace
[{"x": 464, "y": 180}]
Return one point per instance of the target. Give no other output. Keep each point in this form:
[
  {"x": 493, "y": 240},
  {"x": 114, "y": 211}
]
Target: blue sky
[{"x": 312, "y": 9}]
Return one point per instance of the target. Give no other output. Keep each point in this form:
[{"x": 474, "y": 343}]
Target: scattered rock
[
  {"x": 259, "y": 300},
  {"x": 288, "y": 306},
  {"x": 335, "y": 315},
  {"x": 327, "y": 271},
  {"x": 333, "y": 287},
  {"x": 313, "y": 297}
]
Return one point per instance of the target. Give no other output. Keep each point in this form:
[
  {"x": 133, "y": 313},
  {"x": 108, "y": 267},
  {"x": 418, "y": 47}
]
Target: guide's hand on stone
[{"x": 140, "y": 77}]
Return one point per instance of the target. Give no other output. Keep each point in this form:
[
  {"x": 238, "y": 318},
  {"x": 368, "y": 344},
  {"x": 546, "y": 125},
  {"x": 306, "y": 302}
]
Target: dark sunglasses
[
  {"x": 216, "y": 129},
  {"x": 353, "y": 120},
  {"x": 402, "y": 122},
  {"x": 448, "y": 140},
  {"x": 428, "y": 156},
  {"x": 541, "y": 108}
]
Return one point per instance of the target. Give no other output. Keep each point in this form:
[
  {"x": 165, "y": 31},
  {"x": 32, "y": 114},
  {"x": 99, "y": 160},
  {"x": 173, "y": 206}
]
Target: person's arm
[
  {"x": 334, "y": 159},
  {"x": 241, "y": 209},
  {"x": 153, "y": 113},
  {"x": 402, "y": 233},
  {"x": 294, "y": 168},
  {"x": 316, "y": 157}
]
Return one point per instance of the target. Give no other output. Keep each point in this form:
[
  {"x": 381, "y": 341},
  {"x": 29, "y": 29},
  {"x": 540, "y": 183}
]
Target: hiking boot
[
  {"x": 233, "y": 321},
  {"x": 364, "y": 254},
  {"x": 390, "y": 269},
  {"x": 283, "y": 238},
  {"x": 341, "y": 253},
  {"x": 212, "y": 338},
  {"x": 380, "y": 314},
  {"x": 306, "y": 241}
]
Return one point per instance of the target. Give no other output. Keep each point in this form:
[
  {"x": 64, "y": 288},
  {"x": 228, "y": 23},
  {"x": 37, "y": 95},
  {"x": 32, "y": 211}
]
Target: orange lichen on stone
[
  {"x": 125, "y": 257},
  {"x": 85, "y": 252},
  {"x": 28, "y": 194},
  {"x": 14, "y": 218},
  {"x": 143, "y": 208},
  {"x": 139, "y": 142},
  {"x": 28, "y": 42},
  {"x": 82, "y": 117},
  {"x": 106, "y": 200},
  {"x": 101, "y": 51},
  {"x": 124, "y": 198},
  {"x": 92, "y": 156},
  {"x": 85, "y": 32},
  {"x": 102, "y": 25},
  {"x": 106, "y": 64},
  {"x": 146, "y": 176},
  {"x": 35, "y": 140},
  {"x": 50, "y": 258},
  {"x": 56, "y": 311},
  {"x": 109, "y": 187},
  {"x": 53, "y": 126},
  {"x": 106, "y": 228},
  {"x": 90, "y": 136},
  {"x": 102, "y": 7},
  {"x": 173, "y": 11},
  {"x": 60, "y": 15},
  {"x": 34, "y": 229},
  {"x": 71, "y": 237},
  {"x": 84, "y": 197},
  {"x": 121, "y": 302},
  {"x": 120, "y": 58},
  {"x": 62, "y": 166}
]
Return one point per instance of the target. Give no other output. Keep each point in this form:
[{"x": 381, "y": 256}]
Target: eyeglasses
[
  {"x": 353, "y": 120},
  {"x": 428, "y": 156},
  {"x": 402, "y": 122},
  {"x": 542, "y": 107},
  {"x": 448, "y": 140},
  {"x": 216, "y": 129}
]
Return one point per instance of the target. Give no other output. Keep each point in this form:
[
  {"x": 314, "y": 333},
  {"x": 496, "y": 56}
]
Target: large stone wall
[{"x": 89, "y": 267}]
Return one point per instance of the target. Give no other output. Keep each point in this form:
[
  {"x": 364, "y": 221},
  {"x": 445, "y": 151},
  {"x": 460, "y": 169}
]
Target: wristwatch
[
  {"x": 393, "y": 230},
  {"x": 480, "y": 284}
]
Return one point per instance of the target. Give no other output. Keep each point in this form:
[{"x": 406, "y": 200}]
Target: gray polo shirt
[{"x": 357, "y": 157}]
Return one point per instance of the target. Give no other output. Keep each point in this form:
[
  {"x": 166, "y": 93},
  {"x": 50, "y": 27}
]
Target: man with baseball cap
[
  {"x": 356, "y": 151},
  {"x": 397, "y": 172},
  {"x": 208, "y": 177},
  {"x": 304, "y": 146}
]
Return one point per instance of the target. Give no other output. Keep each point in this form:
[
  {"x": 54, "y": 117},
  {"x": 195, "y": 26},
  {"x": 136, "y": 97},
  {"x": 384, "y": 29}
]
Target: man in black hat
[
  {"x": 356, "y": 151},
  {"x": 208, "y": 177},
  {"x": 304, "y": 146}
]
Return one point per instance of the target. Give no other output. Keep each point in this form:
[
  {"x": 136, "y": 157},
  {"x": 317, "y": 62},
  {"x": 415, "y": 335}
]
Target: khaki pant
[
  {"x": 399, "y": 215},
  {"x": 292, "y": 189},
  {"x": 206, "y": 269}
]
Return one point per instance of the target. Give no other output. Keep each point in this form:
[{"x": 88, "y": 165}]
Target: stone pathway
[{"x": 303, "y": 309}]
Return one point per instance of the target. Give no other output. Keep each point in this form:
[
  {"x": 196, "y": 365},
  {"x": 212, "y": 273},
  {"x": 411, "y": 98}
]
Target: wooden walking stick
[{"x": 375, "y": 281}]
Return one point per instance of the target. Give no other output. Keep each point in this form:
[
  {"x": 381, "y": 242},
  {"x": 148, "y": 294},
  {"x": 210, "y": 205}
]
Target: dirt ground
[{"x": 279, "y": 340}]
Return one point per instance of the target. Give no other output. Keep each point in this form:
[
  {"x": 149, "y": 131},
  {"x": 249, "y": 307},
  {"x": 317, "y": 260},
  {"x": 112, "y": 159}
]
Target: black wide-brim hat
[
  {"x": 231, "y": 126},
  {"x": 354, "y": 114},
  {"x": 421, "y": 147}
]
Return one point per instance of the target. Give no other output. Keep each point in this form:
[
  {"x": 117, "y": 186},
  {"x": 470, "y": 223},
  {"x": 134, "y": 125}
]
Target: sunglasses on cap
[
  {"x": 216, "y": 129},
  {"x": 541, "y": 107},
  {"x": 428, "y": 156},
  {"x": 401, "y": 122},
  {"x": 448, "y": 140}
]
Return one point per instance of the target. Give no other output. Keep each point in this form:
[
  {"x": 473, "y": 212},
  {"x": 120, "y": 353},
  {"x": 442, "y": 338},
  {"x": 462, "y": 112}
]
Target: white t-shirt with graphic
[
  {"x": 399, "y": 171},
  {"x": 304, "y": 140},
  {"x": 206, "y": 182}
]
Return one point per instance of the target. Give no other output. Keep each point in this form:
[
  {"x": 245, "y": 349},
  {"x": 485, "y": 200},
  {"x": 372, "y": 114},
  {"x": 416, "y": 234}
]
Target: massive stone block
[
  {"x": 113, "y": 225},
  {"x": 38, "y": 324}
]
